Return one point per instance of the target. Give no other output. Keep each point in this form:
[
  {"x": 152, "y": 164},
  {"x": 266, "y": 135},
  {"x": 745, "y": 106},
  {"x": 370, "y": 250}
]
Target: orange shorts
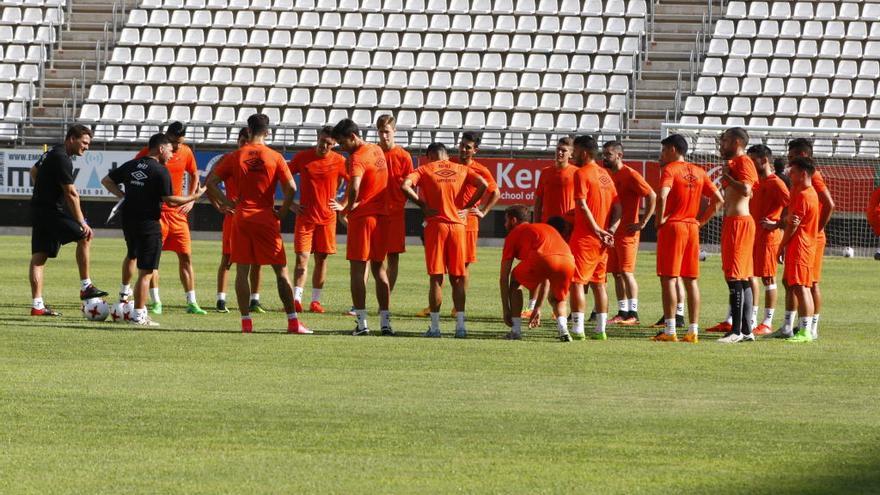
[
  {"x": 678, "y": 250},
  {"x": 444, "y": 249},
  {"x": 394, "y": 231},
  {"x": 310, "y": 237},
  {"x": 590, "y": 259},
  {"x": 228, "y": 228},
  {"x": 622, "y": 257},
  {"x": 175, "y": 232},
  {"x": 257, "y": 243},
  {"x": 766, "y": 252},
  {"x": 737, "y": 243},
  {"x": 798, "y": 268},
  {"x": 365, "y": 239},
  {"x": 558, "y": 269},
  {"x": 470, "y": 246},
  {"x": 819, "y": 257}
]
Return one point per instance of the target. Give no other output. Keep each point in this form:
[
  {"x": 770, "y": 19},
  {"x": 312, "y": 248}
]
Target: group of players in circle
[{"x": 588, "y": 217}]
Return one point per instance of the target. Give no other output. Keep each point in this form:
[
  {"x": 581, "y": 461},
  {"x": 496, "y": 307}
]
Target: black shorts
[
  {"x": 51, "y": 230},
  {"x": 144, "y": 245}
]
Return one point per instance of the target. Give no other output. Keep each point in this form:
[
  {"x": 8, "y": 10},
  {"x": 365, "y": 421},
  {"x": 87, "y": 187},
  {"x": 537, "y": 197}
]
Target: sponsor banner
[{"x": 88, "y": 170}]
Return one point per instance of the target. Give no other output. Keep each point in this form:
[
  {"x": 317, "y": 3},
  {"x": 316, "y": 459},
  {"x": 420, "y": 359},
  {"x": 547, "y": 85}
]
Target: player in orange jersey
[
  {"x": 798, "y": 245},
  {"x": 770, "y": 196},
  {"x": 631, "y": 189},
  {"x": 367, "y": 204},
  {"x": 244, "y": 135},
  {"x": 441, "y": 186},
  {"x": 175, "y": 226},
  {"x": 400, "y": 165},
  {"x": 554, "y": 195},
  {"x": 597, "y": 216},
  {"x": 257, "y": 170},
  {"x": 873, "y": 214},
  {"x": 546, "y": 266},
  {"x": 678, "y": 221},
  {"x": 737, "y": 232},
  {"x": 321, "y": 172},
  {"x": 468, "y": 147},
  {"x": 801, "y": 147}
]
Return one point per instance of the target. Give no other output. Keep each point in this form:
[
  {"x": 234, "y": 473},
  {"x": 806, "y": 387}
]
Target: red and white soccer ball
[
  {"x": 95, "y": 309},
  {"x": 122, "y": 312}
]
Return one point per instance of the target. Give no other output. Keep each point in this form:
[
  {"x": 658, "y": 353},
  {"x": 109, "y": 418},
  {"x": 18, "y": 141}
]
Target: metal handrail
[
  {"x": 652, "y": 13},
  {"x": 73, "y": 85},
  {"x": 42, "y": 73},
  {"x": 69, "y": 13}
]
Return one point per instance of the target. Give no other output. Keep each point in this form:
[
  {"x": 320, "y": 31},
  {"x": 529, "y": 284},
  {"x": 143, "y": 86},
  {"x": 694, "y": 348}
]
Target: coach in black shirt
[
  {"x": 57, "y": 218},
  {"x": 147, "y": 185}
]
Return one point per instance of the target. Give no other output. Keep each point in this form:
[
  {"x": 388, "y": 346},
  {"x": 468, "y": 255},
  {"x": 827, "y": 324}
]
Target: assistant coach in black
[
  {"x": 57, "y": 218},
  {"x": 147, "y": 185}
]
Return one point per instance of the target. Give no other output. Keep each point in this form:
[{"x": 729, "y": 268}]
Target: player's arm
[
  {"x": 71, "y": 197},
  {"x": 581, "y": 204},
  {"x": 33, "y": 173},
  {"x": 489, "y": 201},
  {"x": 413, "y": 196},
  {"x": 192, "y": 172},
  {"x": 111, "y": 185},
  {"x": 504, "y": 285},
  {"x": 660, "y": 217},
  {"x": 288, "y": 188},
  {"x": 481, "y": 185},
  {"x": 538, "y": 209},
  {"x": 743, "y": 188},
  {"x": 173, "y": 200},
  {"x": 220, "y": 200},
  {"x": 650, "y": 207},
  {"x": 614, "y": 218},
  {"x": 715, "y": 201},
  {"x": 826, "y": 203}
]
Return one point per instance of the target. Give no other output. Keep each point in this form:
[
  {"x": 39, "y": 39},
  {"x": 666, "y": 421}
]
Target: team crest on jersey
[
  {"x": 138, "y": 175},
  {"x": 254, "y": 164},
  {"x": 445, "y": 173},
  {"x": 604, "y": 180},
  {"x": 691, "y": 179}
]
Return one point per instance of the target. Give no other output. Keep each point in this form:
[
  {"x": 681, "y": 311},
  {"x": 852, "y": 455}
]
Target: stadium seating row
[
  {"x": 795, "y": 86},
  {"x": 797, "y": 49},
  {"x": 418, "y": 23},
  {"x": 20, "y": 92},
  {"x": 289, "y": 78},
  {"x": 814, "y": 30},
  {"x": 800, "y": 67},
  {"x": 785, "y": 106},
  {"x": 19, "y": 73},
  {"x": 501, "y": 7},
  {"x": 31, "y": 16},
  {"x": 809, "y": 10},
  {"x": 26, "y": 35}
]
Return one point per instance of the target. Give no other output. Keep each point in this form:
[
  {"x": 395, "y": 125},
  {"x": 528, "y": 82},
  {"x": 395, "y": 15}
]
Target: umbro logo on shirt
[
  {"x": 445, "y": 173},
  {"x": 254, "y": 163},
  {"x": 138, "y": 175}
]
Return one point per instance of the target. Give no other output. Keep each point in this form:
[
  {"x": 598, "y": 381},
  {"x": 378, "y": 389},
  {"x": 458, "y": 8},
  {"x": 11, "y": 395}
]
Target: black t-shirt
[
  {"x": 54, "y": 171},
  {"x": 146, "y": 182}
]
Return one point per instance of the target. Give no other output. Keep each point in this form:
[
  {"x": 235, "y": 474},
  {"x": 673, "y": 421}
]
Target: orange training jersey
[
  {"x": 742, "y": 168},
  {"x": 805, "y": 204},
  {"x": 473, "y": 222},
  {"x": 400, "y": 165},
  {"x": 593, "y": 184},
  {"x": 256, "y": 170},
  {"x": 687, "y": 183},
  {"x": 182, "y": 162},
  {"x": 531, "y": 239},
  {"x": 556, "y": 190},
  {"x": 368, "y": 163},
  {"x": 770, "y": 196},
  {"x": 441, "y": 185},
  {"x": 319, "y": 180},
  {"x": 631, "y": 188}
]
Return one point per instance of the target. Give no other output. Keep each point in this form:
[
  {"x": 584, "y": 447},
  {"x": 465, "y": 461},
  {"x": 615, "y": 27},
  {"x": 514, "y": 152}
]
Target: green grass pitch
[{"x": 195, "y": 407}]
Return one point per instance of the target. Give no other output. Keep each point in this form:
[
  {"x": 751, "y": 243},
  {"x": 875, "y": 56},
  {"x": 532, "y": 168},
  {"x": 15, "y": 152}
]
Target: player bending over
[
  {"x": 798, "y": 246},
  {"x": 257, "y": 170},
  {"x": 546, "y": 266},
  {"x": 147, "y": 188},
  {"x": 678, "y": 221},
  {"x": 441, "y": 184},
  {"x": 53, "y": 225}
]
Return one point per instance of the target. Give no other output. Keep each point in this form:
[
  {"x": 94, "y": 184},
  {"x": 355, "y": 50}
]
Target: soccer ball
[
  {"x": 122, "y": 312},
  {"x": 848, "y": 252},
  {"x": 95, "y": 309},
  {"x": 703, "y": 255}
]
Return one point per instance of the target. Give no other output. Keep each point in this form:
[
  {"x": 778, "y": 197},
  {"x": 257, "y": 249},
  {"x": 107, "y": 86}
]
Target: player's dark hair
[
  {"x": 77, "y": 131},
  {"x": 805, "y": 164},
  {"x": 566, "y": 141},
  {"x": 258, "y": 123},
  {"x": 613, "y": 144},
  {"x": 473, "y": 137},
  {"x": 436, "y": 149},
  {"x": 779, "y": 166},
  {"x": 678, "y": 142},
  {"x": 801, "y": 145},
  {"x": 738, "y": 133},
  {"x": 327, "y": 130},
  {"x": 176, "y": 129},
  {"x": 386, "y": 119},
  {"x": 244, "y": 134},
  {"x": 519, "y": 212},
  {"x": 157, "y": 140},
  {"x": 760, "y": 151},
  {"x": 345, "y": 128},
  {"x": 557, "y": 223},
  {"x": 588, "y": 143}
]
